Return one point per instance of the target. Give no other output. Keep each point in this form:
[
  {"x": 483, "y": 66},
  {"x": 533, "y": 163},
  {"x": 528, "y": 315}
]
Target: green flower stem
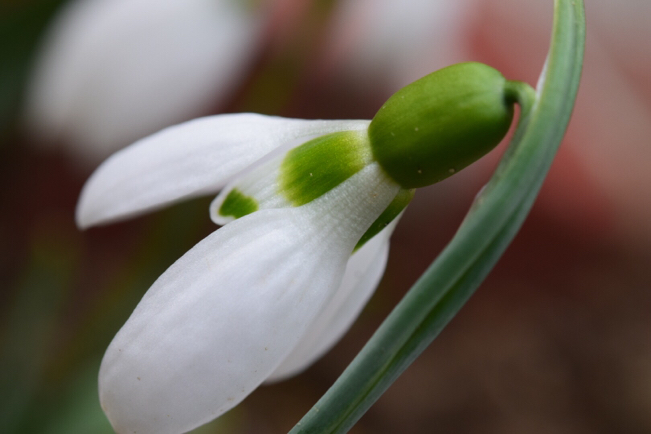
[{"x": 492, "y": 222}]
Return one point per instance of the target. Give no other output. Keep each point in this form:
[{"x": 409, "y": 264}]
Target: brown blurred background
[{"x": 556, "y": 340}]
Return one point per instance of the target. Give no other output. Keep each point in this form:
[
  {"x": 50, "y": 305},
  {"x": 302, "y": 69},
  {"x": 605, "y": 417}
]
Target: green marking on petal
[
  {"x": 399, "y": 203},
  {"x": 237, "y": 204},
  {"x": 318, "y": 166}
]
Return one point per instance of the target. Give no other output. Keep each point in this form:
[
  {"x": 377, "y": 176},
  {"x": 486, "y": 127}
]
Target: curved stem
[{"x": 521, "y": 93}]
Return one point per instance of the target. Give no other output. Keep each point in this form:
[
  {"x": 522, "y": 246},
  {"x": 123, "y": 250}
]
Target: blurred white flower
[
  {"x": 397, "y": 40},
  {"x": 113, "y": 71},
  {"x": 263, "y": 297}
]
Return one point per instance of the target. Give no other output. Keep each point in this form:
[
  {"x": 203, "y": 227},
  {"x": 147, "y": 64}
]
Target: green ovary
[{"x": 441, "y": 123}]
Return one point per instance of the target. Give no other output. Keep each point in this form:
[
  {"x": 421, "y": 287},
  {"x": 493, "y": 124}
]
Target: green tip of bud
[{"x": 440, "y": 124}]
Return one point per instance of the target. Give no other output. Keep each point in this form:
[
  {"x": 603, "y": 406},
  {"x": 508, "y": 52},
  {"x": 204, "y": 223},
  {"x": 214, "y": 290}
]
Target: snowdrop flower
[
  {"x": 304, "y": 242},
  {"x": 113, "y": 71}
]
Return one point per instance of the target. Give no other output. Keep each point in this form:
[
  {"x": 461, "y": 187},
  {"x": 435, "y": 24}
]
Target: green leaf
[{"x": 489, "y": 227}]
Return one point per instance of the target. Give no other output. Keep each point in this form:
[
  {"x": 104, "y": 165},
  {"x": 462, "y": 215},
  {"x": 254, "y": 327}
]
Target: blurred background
[{"x": 558, "y": 338}]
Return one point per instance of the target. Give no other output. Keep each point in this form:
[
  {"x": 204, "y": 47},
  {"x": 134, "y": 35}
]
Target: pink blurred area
[
  {"x": 602, "y": 174},
  {"x": 556, "y": 339}
]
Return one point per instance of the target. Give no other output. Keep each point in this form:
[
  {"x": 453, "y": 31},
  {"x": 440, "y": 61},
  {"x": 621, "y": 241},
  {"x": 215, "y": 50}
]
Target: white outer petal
[
  {"x": 113, "y": 71},
  {"x": 225, "y": 315},
  {"x": 190, "y": 159},
  {"x": 363, "y": 274}
]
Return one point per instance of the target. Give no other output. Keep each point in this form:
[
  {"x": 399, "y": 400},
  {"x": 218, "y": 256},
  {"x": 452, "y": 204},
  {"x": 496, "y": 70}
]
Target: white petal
[
  {"x": 225, "y": 315},
  {"x": 363, "y": 274},
  {"x": 114, "y": 71},
  {"x": 190, "y": 159},
  {"x": 261, "y": 184}
]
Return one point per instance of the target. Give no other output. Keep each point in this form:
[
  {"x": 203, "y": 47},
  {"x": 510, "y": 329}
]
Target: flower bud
[{"x": 440, "y": 124}]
